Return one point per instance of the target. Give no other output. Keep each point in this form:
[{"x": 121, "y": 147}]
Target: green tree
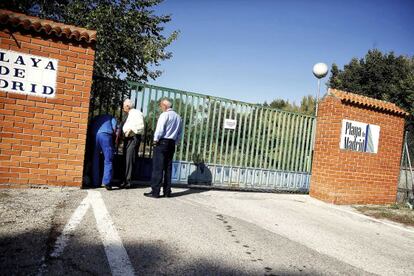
[
  {"x": 278, "y": 103},
  {"x": 130, "y": 41},
  {"x": 307, "y": 105},
  {"x": 382, "y": 76}
]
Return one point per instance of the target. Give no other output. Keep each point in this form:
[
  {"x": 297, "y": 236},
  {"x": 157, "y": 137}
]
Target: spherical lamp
[{"x": 320, "y": 70}]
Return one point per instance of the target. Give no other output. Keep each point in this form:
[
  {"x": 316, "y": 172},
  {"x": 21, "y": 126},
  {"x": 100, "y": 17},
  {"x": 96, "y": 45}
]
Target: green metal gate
[{"x": 269, "y": 149}]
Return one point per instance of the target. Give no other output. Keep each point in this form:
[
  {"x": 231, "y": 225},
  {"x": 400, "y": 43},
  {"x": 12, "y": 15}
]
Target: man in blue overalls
[{"x": 104, "y": 129}]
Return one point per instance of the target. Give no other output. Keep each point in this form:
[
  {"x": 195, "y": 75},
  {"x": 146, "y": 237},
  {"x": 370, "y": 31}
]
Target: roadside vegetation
[{"x": 400, "y": 213}]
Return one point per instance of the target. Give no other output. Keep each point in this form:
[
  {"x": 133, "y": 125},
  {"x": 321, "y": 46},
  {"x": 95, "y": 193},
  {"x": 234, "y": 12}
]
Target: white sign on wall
[
  {"x": 28, "y": 74},
  {"x": 357, "y": 136},
  {"x": 230, "y": 124}
]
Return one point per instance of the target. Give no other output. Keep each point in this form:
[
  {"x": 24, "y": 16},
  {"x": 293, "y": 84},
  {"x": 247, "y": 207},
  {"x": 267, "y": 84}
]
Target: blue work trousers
[{"x": 103, "y": 143}]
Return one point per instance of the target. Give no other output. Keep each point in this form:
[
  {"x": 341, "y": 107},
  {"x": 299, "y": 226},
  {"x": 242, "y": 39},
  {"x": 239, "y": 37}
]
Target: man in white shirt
[
  {"x": 132, "y": 130},
  {"x": 167, "y": 135}
]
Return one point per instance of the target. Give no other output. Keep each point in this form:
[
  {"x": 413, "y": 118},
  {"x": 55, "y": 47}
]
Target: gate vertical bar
[
  {"x": 262, "y": 155},
  {"x": 228, "y": 136},
  {"x": 258, "y": 147},
  {"x": 194, "y": 128},
  {"x": 177, "y": 107},
  {"x": 201, "y": 120},
  {"x": 282, "y": 143},
  {"x": 250, "y": 141},
  {"x": 206, "y": 129},
  {"x": 254, "y": 143},
  {"x": 189, "y": 128},
  {"x": 239, "y": 127},
  {"x": 217, "y": 132},
  {"x": 295, "y": 138},
  {"x": 272, "y": 143},
  {"x": 291, "y": 138},
  {"x": 223, "y": 132},
  {"x": 277, "y": 140},
  {"x": 305, "y": 135},
  {"x": 184, "y": 120},
  {"x": 246, "y": 112},
  {"x": 300, "y": 142},
  {"x": 268, "y": 139},
  {"x": 212, "y": 133}
]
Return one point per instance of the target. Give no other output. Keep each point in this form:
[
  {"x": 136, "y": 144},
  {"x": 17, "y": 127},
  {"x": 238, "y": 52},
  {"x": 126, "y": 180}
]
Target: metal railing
[{"x": 264, "y": 138}]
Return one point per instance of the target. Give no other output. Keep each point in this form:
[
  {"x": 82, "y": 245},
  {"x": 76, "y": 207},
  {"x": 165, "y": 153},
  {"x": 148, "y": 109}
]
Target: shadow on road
[
  {"x": 26, "y": 253},
  {"x": 176, "y": 191}
]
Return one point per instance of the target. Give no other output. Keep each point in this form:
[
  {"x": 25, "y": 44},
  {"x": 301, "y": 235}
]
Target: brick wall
[
  {"x": 350, "y": 177},
  {"x": 42, "y": 139}
]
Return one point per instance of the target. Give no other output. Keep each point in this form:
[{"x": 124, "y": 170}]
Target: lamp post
[{"x": 320, "y": 70}]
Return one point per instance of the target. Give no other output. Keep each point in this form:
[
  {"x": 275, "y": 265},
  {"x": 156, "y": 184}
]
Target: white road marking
[
  {"x": 73, "y": 222},
  {"x": 115, "y": 252}
]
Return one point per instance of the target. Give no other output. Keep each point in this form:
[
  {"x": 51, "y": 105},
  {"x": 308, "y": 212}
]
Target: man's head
[
  {"x": 165, "y": 104},
  {"x": 128, "y": 105}
]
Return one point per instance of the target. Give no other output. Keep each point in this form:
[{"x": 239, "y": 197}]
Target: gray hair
[
  {"x": 167, "y": 102},
  {"x": 129, "y": 103}
]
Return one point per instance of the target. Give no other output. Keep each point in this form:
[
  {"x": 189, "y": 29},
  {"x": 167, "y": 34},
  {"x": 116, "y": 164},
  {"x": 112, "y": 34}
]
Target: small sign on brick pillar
[
  {"x": 357, "y": 150},
  {"x": 45, "y": 81}
]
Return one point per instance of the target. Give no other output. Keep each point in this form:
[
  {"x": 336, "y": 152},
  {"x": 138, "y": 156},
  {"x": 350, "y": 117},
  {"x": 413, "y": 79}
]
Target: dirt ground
[{"x": 400, "y": 212}]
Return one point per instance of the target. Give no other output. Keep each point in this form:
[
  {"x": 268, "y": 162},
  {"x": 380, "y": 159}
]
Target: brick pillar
[
  {"x": 349, "y": 176},
  {"x": 43, "y": 136}
]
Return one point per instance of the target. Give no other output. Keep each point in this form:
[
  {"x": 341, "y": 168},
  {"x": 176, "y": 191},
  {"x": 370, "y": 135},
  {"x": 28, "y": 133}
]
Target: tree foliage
[
  {"x": 307, "y": 105},
  {"x": 130, "y": 36},
  {"x": 382, "y": 76},
  {"x": 130, "y": 39}
]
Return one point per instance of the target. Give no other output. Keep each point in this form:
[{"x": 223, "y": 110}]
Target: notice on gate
[
  {"x": 357, "y": 136},
  {"x": 230, "y": 124},
  {"x": 28, "y": 74}
]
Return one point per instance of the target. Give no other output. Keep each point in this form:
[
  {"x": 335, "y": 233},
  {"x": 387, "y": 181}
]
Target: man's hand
[{"x": 155, "y": 143}]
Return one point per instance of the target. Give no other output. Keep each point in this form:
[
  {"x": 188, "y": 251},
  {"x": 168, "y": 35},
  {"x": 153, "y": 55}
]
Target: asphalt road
[{"x": 197, "y": 232}]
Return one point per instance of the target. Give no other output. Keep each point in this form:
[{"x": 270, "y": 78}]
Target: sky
[{"x": 260, "y": 50}]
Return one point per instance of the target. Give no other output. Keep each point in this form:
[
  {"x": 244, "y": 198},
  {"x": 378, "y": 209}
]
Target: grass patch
[{"x": 396, "y": 212}]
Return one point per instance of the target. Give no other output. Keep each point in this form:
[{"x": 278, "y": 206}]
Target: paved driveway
[{"x": 121, "y": 232}]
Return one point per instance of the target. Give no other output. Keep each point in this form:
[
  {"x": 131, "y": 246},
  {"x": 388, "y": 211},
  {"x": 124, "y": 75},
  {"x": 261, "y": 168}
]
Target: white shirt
[{"x": 134, "y": 123}]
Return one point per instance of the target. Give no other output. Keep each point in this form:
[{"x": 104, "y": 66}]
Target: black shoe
[
  {"x": 125, "y": 185},
  {"x": 108, "y": 187},
  {"x": 167, "y": 194},
  {"x": 150, "y": 194},
  {"x": 88, "y": 187}
]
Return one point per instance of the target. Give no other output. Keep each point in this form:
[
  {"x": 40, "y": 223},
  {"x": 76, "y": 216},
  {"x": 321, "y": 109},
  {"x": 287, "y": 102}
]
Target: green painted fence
[
  {"x": 267, "y": 149},
  {"x": 264, "y": 138}
]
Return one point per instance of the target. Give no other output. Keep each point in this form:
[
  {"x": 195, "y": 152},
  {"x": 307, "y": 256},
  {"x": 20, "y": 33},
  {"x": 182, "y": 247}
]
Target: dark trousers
[
  {"x": 162, "y": 166},
  {"x": 131, "y": 145}
]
